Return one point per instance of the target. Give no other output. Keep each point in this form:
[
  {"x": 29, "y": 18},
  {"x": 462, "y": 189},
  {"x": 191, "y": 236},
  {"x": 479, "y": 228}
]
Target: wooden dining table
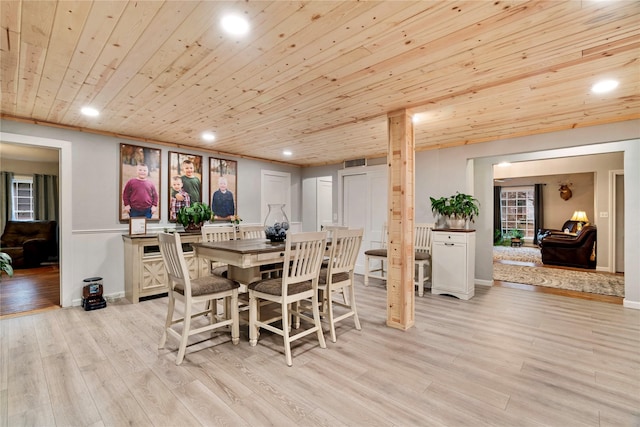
[{"x": 244, "y": 257}]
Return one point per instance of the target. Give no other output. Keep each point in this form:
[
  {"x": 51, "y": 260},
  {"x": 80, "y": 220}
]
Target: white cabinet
[{"x": 453, "y": 258}]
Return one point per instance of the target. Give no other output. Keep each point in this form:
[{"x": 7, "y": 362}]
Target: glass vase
[{"x": 276, "y": 223}]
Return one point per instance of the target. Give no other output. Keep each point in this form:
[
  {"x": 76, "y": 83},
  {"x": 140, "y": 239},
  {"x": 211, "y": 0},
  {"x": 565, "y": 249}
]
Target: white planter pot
[{"x": 459, "y": 224}]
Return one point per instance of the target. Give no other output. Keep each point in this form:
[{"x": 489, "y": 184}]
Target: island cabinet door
[{"x": 453, "y": 260}]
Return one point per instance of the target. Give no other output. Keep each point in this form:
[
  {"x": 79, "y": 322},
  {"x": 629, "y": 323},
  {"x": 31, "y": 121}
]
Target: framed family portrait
[
  {"x": 223, "y": 188},
  {"x": 185, "y": 181},
  {"x": 139, "y": 183}
]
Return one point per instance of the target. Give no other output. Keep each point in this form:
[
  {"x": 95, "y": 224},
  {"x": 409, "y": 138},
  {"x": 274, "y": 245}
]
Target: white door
[
  {"x": 275, "y": 188},
  {"x": 317, "y": 203},
  {"x": 363, "y": 204},
  {"x": 324, "y": 202}
]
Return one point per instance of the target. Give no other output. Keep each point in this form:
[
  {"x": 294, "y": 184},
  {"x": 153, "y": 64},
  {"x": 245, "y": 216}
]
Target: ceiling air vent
[{"x": 355, "y": 162}]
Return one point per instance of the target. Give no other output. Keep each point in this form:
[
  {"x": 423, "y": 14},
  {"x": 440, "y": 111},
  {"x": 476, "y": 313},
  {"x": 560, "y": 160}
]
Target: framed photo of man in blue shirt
[{"x": 223, "y": 185}]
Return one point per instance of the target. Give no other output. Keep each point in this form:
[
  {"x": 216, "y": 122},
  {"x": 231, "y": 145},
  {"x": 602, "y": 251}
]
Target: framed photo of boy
[
  {"x": 139, "y": 183},
  {"x": 185, "y": 181},
  {"x": 223, "y": 188}
]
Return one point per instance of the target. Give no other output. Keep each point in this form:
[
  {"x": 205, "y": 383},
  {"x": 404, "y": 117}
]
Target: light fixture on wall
[{"x": 581, "y": 217}]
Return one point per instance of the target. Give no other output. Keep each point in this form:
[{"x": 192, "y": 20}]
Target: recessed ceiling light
[
  {"x": 208, "y": 136},
  {"x": 235, "y": 25},
  {"x": 89, "y": 111},
  {"x": 287, "y": 152},
  {"x": 604, "y": 86},
  {"x": 504, "y": 164}
]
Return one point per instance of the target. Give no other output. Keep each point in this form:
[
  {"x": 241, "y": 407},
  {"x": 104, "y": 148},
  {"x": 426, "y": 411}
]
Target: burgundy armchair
[{"x": 571, "y": 250}]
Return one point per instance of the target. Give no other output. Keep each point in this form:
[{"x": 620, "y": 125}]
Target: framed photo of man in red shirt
[{"x": 139, "y": 183}]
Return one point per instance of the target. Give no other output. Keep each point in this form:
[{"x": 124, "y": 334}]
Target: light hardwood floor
[{"x": 507, "y": 357}]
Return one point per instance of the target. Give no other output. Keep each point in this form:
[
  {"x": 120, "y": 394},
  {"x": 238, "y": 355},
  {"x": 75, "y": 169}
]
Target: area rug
[
  {"x": 583, "y": 281},
  {"x": 522, "y": 254}
]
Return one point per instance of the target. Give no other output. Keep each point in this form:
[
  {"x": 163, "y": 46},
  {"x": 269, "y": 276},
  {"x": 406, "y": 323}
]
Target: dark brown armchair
[
  {"x": 29, "y": 243},
  {"x": 571, "y": 250},
  {"x": 570, "y": 225}
]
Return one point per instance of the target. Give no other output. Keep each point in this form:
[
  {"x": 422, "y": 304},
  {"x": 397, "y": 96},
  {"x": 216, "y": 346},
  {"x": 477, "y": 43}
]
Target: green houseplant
[
  {"x": 457, "y": 208},
  {"x": 192, "y": 217},
  {"x": 516, "y": 235},
  {"x": 5, "y": 264}
]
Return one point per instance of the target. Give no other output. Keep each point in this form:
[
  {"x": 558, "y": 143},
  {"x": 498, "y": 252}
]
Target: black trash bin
[{"x": 92, "y": 298}]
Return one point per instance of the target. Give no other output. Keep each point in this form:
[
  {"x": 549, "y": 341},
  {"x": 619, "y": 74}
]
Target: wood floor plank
[
  {"x": 157, "y": 402},
  {"x": 71, "y": 401},
  {"x": 506, "y": 357}
]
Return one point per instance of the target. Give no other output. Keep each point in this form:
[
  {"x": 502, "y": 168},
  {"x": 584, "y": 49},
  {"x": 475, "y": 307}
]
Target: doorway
[
  {"x": 36, "y": 288},
  {"x": 65, "y": 177}
]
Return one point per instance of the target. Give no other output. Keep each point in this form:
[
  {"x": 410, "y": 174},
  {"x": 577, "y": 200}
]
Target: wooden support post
[{"x": 400, "y": 219}]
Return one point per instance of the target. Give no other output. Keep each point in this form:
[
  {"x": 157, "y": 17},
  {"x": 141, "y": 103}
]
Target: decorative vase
[{"x": 276, "y": 223}]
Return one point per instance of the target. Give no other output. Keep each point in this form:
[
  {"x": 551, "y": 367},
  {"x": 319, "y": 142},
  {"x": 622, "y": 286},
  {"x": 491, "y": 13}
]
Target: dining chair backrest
[
  {"x": 423, "y": 237},
  {"x": 303, "y": 254},
  {"x": 345, "y": 245},
  {"x": 175, "y": 264},
  {"x": 218, "y": 233},
  {"x": 252, "y": 232},
  {"x": 384, "y": 236},
  {"x": 331, "y": 228}
]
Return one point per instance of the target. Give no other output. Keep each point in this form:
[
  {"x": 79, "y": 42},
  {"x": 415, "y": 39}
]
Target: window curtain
[
  {"x": 538, "y": 214},
  {"x": 45, "y": 197},
  {"x": 6, "y": 207},
  {"x": 497, "y": 212}
]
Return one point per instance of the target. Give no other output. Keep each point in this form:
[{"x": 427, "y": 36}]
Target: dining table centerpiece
[{"x": 276, "y": 223}]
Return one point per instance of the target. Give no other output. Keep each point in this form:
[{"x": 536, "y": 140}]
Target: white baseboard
[
  {"x": 483, "y": 282},
  {"x": 631, "y": 304}
]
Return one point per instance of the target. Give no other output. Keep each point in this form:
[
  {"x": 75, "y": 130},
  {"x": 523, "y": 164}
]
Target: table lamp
[{"x": 581, "y": 217}]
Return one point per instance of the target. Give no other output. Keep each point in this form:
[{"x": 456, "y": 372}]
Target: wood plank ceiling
[{"x": 319, "y": 77}]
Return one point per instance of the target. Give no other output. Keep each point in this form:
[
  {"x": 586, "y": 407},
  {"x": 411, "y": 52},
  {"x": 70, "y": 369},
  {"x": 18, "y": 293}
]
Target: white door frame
[
  {"x": 613, "y": 174},
  {"x": 65, "y": 224}
]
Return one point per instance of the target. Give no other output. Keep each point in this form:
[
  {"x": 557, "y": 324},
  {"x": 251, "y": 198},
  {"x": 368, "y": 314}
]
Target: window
[
  {"x": 517, "y": 210},
  {"x": 22, "y": 198}
]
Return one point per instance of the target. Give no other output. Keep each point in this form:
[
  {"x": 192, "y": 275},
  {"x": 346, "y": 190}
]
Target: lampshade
[{"x": 580, "y": 216}]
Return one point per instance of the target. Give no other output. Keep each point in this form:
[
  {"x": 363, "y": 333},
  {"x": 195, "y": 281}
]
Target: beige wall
[
  {"x": 22, "y": 167},
  {"x": 556, "y": 209}
]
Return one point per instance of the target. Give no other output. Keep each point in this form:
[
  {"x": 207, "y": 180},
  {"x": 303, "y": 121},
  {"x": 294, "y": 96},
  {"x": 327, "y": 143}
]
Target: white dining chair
[
  {"x": 338, "y": 278},
  {"x": 375, "y": 259},
  {"x": 207, "y": 289},
  {"x": 422, "y": 235},
  {"x": 249, "y": 231},
  {"x": 302, "y": 258},
  {"x": 218, "y": 233}
]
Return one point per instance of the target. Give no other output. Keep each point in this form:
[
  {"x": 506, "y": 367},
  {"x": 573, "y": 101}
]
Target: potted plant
[
  {"x": 516, "y": 237},
  {"x": 5, "y": 264},
  {"x": 192, "y": 217},
  {"x": 458, "y": 209}
]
